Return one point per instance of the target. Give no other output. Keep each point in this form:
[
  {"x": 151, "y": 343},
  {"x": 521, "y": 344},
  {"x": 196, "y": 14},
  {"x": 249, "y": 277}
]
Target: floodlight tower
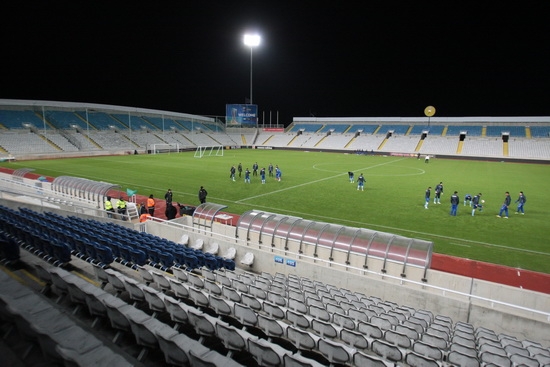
[{"x": 251, "y": 40}]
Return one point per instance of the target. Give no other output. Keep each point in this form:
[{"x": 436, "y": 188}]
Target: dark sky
[{"x": 321, "y": 58}]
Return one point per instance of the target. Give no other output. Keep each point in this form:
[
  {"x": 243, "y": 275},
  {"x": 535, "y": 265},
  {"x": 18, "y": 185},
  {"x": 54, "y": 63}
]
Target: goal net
[
  {"x": 204, "y": 151},
  {"x": 164, "y": 148}
]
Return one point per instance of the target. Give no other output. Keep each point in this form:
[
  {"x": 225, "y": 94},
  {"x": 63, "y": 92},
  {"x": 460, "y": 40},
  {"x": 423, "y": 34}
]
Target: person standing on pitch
[
  {"x": 477, "y": 203},
  {"x": 505, "y": 205},
  {"x": 202, "y": 195},
  {"x": 240, "y": 169},
  {"x": 361, "y": 182},
  {"x": 262, "y": 174},
  {"x": 468, "y": 200},
  {"x": 438, "y": 192},
  {"x": 351, "y": 177},
  {"x": 521, "y": 201},
  {"x": 232, "y": 173},
  {"x": 247, "y": 176},
  {"x": 427, "y": 195},
  {"x": 454, "y": 203}
]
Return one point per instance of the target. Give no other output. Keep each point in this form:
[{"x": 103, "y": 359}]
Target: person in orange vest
[{"x": 151, "y": 205}]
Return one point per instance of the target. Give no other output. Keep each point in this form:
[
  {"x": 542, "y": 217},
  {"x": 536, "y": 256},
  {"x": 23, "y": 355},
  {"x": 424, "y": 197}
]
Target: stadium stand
[{"x": 72, "y": 296}]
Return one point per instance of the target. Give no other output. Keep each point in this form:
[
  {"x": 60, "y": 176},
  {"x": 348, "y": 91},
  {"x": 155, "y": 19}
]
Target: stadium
[{"x": 242, "y": 281}]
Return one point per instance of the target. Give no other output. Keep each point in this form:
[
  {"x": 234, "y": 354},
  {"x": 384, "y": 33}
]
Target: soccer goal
[
  {"x": 203, "y": 151},
  {"x": 164, "y": 148}
]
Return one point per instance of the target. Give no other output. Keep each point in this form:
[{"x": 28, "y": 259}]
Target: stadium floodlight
[{"x": 251, "y": 40}]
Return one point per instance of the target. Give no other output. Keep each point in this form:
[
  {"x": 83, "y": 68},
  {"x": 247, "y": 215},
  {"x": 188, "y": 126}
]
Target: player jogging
[{"x": 477, "y": 203}]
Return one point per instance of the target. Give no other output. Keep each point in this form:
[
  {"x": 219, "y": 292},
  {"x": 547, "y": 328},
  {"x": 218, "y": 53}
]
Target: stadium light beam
[{"x": 251, "y": 40}]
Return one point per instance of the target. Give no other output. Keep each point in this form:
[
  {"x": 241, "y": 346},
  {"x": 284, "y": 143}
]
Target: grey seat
[
  {"x": 495, "y": 359},
  {"x": 272, "y": 310},
  {"x": 319, "y": 313},
  {"x": 212, "y": 287},
  {"x": 301, "y": 339},
  {"x": 117, "y": 311},
  {"x": 175, "y": 347},
  {"x": 245, "y": 315},
  {"x": 298, "y": 320},
  {"x": 161, "y": 281},
  {"x": 297, "y": 360},
  {"x": 134, "y": 289},
  {"x": 177, "y": 311},
  {"x": 115, "y": 280},
  {"x": 231, "y": 294},
  {"x": 343, "y": 321},
  {"x": 335, "y": 352},
  {"x": 195, "y": 280},
  {"x": 266, "y": 353},
  {"x": 180, "y": 274},
  {"x": 203, "y": 324},
  {"x": 397, "y": 338},
  {"x": 145, "y": 274},
  {"x": 198, "y": 297},
  {"x": 463, "y": 360},
  {"x": 154, "y": 299},
  {"x": 363, "y": 359},
  {"x": 387, "y": 351},
  {"x": 354, "y": 339},
  {"x": 232, "y": 338},
  {"x": 428, "y": 350},
  {"x": 221, "y": 306},
  {"x": 325, "y": 329},
  {"x": 179, "y": 289},
  {"x": 272, "y": 327},
  {"x": 416, "y": 360},
  {"x": 251, "y": 302},
  {"x": 100, "y": 356}
]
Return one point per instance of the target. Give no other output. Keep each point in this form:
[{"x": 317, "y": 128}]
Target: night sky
[{"x": 317, "y": 58}]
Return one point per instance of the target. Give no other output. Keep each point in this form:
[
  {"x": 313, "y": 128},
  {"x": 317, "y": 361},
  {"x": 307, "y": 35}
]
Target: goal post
[
  {"x": 208, "y": 151},
  {"x": 164, "y": 148}
]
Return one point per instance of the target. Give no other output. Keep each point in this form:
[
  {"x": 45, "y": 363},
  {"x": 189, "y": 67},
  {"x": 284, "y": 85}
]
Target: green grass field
[{"x": 315, "y": 186}]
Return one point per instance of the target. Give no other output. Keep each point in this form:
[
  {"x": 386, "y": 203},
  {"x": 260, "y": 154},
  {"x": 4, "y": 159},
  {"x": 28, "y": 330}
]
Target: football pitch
[{"x": 315, "y": 186}]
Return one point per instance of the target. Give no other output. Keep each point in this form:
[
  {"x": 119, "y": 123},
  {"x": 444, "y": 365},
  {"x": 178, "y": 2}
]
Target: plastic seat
[
  {"x": 220, "y": 305},
  {"x": 416, "y": 360},
  {"x": 230, "y": 253},
  {"x": 463, "y": 360},
  {"x": 298, "y": 320},
  {"x": 212, "y": 248},
  {"x": 161, "y": 281},
  {"x": 154, "y": 299},
  {"x": 387, "y": 351},
  {"x": 198, "y": 297},
  {"x": 363, "y": 359},
  {"x": 265, "y": 353},
  {"x": 177, "y": 311},
  {"x": 175, "y": 346},
  {"x": 303, "y": 340},
  {"x": 245, "y": 315},
  {"x": 272, "y": 327},
  {"x": 248, "y": 259},
  {"x": 203, "y": 324},
  {"x": 335, "y": 352},
  {"x": 354, "y": 339},
  {"x": 198, "y": 245},
  {"x": 233, "y": 339}
]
